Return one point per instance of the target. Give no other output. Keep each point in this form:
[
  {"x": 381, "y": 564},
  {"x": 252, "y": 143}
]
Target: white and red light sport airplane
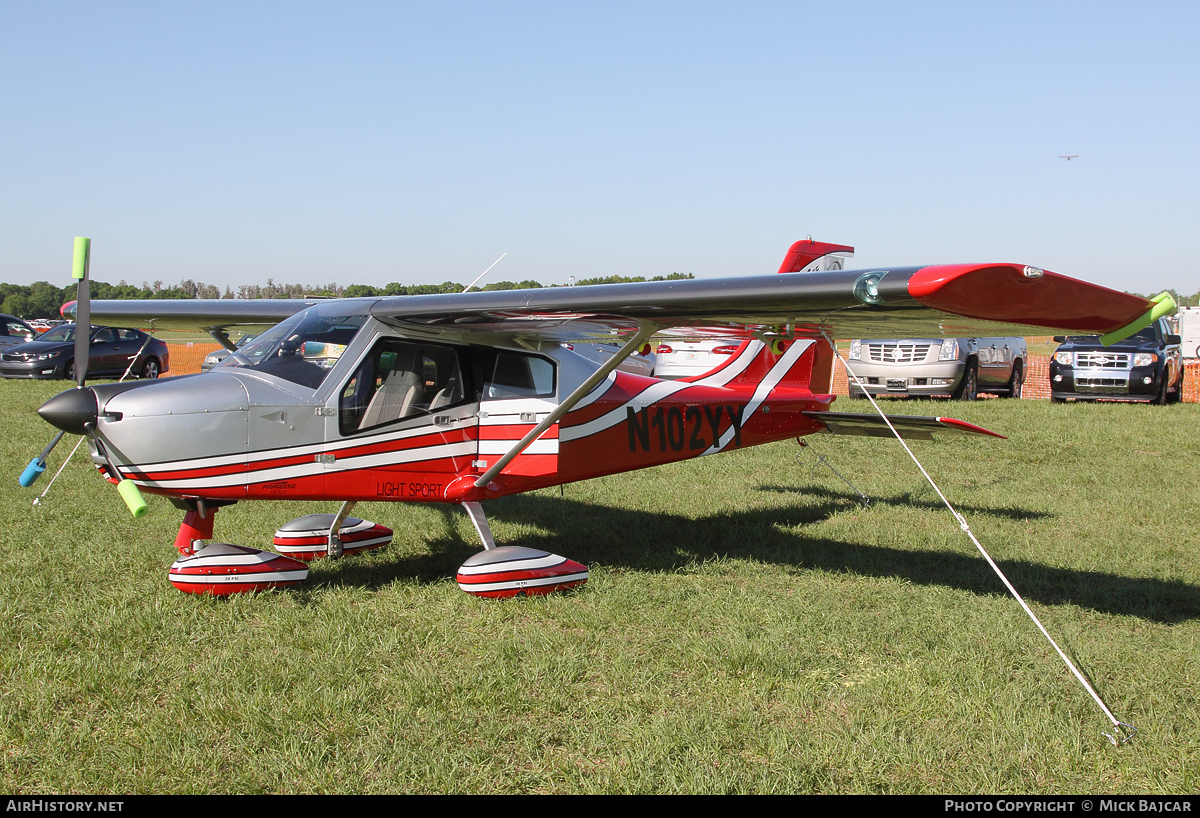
[{"x": 467, "y": 397}]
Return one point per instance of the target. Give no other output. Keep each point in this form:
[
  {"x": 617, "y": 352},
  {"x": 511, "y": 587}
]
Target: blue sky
[{"x": 379, "y": 142}]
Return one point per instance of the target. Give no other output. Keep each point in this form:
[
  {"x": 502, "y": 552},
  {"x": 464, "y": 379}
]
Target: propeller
[
  {"x": 76, "y": 410},
  {"x": 83, "y": 308}
]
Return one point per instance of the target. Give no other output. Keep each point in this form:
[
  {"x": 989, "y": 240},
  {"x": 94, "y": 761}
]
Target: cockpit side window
[
  {"x": 518, "y": 375},
  {"x": 400, "y": 379}
]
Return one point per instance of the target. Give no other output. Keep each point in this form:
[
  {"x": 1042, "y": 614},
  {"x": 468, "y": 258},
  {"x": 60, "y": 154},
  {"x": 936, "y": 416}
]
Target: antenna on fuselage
[{"x": 485, "y": 272}]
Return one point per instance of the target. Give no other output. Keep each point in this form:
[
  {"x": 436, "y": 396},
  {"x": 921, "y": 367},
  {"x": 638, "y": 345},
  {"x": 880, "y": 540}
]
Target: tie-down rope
[{"x": 1116, "y": 736}]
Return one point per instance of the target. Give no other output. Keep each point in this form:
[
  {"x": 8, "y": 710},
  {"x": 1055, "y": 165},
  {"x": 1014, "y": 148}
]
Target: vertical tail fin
[{"x": 808, "y": 255}]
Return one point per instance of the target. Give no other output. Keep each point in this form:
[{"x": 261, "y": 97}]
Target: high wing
[{"x": 939, "y": 300}]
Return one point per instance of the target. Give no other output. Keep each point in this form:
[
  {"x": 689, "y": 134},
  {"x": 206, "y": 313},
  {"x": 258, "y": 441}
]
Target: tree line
[{"x": 44, "y": 300}]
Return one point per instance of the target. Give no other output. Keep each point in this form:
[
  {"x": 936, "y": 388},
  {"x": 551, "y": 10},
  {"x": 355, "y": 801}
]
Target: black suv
[{"x": 1147, "y": 366}]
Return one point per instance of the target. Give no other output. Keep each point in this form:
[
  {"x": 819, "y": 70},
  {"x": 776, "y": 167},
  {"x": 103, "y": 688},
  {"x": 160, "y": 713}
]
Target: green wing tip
[
  {"x": 1164, "y": 304},
  {"x": 83, "y": 246}
]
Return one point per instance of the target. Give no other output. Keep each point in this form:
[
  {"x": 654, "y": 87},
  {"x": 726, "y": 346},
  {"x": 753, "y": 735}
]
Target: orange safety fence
[{"x": 186, "y": 360}]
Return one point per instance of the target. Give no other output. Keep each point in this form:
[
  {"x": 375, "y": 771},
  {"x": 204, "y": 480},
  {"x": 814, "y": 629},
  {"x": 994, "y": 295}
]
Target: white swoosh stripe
[
  {"x": 763, "y": 390},
  {"x": 735, "y": 368},
  {"x": 652, "y": 394}
]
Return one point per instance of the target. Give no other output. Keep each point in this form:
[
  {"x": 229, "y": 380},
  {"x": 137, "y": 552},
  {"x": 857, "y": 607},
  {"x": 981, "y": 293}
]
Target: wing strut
[{"x": 643, "y": 335}]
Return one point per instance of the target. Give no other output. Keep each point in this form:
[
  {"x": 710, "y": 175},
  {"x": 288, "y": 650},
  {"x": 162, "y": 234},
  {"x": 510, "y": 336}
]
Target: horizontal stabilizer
[{"x": 910, "y": 427}]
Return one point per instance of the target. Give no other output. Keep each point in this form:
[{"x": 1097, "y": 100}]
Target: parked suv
[
  {"x": 958, "y": 367},
  {"x": 1147, "y": 366}
]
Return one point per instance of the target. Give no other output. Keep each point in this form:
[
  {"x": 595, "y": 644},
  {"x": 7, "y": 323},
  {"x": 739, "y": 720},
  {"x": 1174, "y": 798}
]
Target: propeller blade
[{"x": 83, "y": 312}]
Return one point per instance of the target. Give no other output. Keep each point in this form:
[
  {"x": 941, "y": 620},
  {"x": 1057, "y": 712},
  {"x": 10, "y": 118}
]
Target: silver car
[
  {"x": 958, "y": 367},
  {"x": 217, "y": 355},
  {"x": 639, "y": 363}
]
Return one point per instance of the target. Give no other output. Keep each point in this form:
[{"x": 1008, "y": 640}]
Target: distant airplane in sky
[{"x": 1069, "y": 158}]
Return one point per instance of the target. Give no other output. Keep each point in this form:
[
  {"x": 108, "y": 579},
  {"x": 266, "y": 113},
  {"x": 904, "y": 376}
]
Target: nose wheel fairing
[{"x": 221, "y": 569}]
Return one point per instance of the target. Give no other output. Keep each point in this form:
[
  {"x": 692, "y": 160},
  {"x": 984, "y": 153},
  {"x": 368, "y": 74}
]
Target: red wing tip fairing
[{"x": 1021, "y": 294}]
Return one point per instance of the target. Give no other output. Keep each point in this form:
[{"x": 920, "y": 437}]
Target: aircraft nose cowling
[{"x": 72, "y": 411}]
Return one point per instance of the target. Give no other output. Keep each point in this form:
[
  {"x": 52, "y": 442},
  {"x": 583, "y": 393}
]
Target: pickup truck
[
  {"x": 1146, "y": 367},
  {"x": 958, "y": 367}
]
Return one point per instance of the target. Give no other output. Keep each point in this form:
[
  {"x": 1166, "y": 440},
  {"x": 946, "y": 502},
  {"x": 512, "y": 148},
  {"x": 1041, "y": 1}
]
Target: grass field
[{"x": 747, "y": 628}]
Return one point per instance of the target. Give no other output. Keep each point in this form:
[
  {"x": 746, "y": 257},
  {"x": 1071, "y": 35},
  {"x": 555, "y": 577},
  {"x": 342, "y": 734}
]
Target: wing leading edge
[{"x": 963, "y": 300}]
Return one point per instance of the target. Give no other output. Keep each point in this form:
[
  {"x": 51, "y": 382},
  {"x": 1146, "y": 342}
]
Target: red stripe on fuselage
[
  {"x": 403, "y": 444},
  {"x": 514, "y": 431}
]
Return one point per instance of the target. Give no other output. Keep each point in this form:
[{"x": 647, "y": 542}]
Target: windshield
[
  {"x": 302, "y": 349},
  {"x": 1149, "y": 334},
  {"x": 62, "y": 334}
]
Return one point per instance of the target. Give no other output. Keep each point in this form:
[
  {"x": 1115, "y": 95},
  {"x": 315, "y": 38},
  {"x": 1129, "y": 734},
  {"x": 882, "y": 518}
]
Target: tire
[
  {"x": 1177, "y": 395},
  {"x": 1016, "y": 384},
  {"x": 1057, "y": 400},
  {"x": 1161, "y": 398},
  {"x": 69, "y": 371},
  {"x": 150, "y": 369},
  {"x": 968, "y": 387}
]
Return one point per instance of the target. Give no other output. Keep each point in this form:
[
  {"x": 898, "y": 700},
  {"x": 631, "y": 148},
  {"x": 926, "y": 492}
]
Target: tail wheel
[
  {"x": 150, "y": 368},
  {"x": 968, "y": 387},
  {"x": 1016, "y": 384}
]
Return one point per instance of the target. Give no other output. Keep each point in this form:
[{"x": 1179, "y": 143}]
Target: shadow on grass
[
  {"x": 655, "y": 541},
  {"x": 906, "y": 500}
]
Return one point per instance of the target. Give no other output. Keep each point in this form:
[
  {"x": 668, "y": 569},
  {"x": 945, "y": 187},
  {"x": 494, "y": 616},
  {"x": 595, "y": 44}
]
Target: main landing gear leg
[
  {"x": 512, "y": 570},
  {"x": 479, "y": 520},
  {"x": 334, "y": 542}
]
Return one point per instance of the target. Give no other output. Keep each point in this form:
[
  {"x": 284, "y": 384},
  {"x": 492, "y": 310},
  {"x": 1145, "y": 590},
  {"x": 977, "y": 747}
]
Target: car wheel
[
  {"x": 150, "y": 368},
  {"x": 1016, "y": 384},
  {"x": 69, "y": 371},
  {"x": 1177, "y": 395},
  {"x": 968, "y": 387},
  {"x": 1057, "y": 400}
]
